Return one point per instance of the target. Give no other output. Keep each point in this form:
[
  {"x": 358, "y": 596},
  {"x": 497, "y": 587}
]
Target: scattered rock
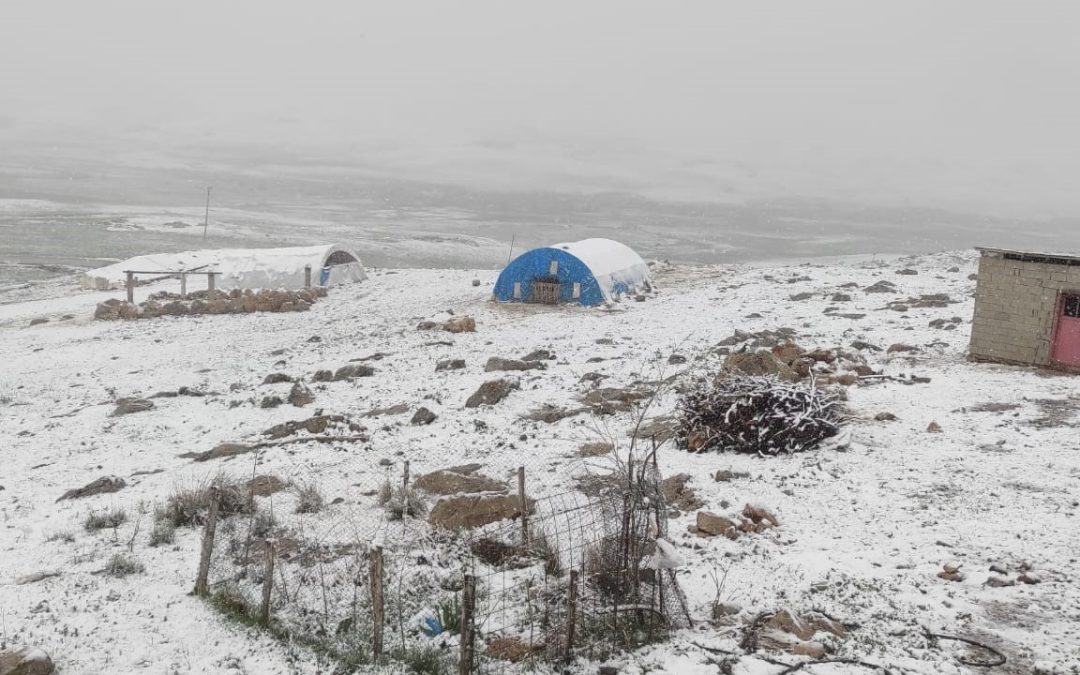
[
  {"x": 756, "y": 364},
  {"x": 861, "y": 345},
  {"x": 1029, "y": 578},
  {"x": 457, "y": 513},
  {"x": 676, "y": 360},
  {"x": 450, "y": 364},
  {"x": 277, "y": 378},
  {"x": 103, "y": 485},
  {"x": 907, "y": 272},
  {"x": 660, "y": 429},
  {"x": 798, "y": 297},
  {"x": 759, "y": 516},
  {"x": 539, "y": 355},
  {"x": 127, "y": 406},
  {"x": 950, "y": 571},
  {"x": 300, "y": 395},
  {"x": 497, "y": 363},
  {"x": 491, "y": 392},
  {"x": 399, "y": 409},
  {"x": 456, "y": 481},
  {"x": 999, "y": 582},
  {"x": 933, "y": 428},
  {"x": 265, "y": 485},
  {"x": 268, "y": 402},
  {"x": 38, "y": 321},
  {"x": 353, "y": 371},
  {"x": 423, "y": 416},
  {"x": 550, "y": 414},
  {"x": 840, "y": 297},
  {"x": 318, "y": 424},
  {"x": 511, "y": 647},
  {"x": 611, "y": 400},
  {"x": 901, "y": 348},
  {"x": 323, "y": 376},
  {"x": 27, "y": 661},
  {"x": 885, "y": 417},
  {"x": 464, "y": 324},
  {"x": 475, "y": 282},
  {"x": 713, "y": 525},
  {"x": 881, "y": 287},
  {"x": 221, "y": 451},
  {"x": 596, "y": 449},
  {"x": 723, "y": 476},
  {"x": 678, "y": 494}
]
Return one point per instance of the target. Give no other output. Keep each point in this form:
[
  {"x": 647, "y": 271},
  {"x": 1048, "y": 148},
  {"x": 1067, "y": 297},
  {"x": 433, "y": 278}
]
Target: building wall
[{"x": 1015, "y": 308}]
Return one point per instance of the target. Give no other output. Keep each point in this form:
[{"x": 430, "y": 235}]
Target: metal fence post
[
  {"x": 268, "y": 584},
  {"x": 375, "y": 573},
  {"x": 468, "y": 634},
  {"x": 572, "y": 614},
  {"x": 202, "y": 580},
  {"x": 523, "y": 504}
]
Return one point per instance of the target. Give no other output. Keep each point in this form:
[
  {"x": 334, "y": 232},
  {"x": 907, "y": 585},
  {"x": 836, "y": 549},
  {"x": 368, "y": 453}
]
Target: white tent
[{"x": 240, "y": 268}]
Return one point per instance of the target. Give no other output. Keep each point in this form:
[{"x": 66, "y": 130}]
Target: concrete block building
[{"x": 1027, "y": 309}]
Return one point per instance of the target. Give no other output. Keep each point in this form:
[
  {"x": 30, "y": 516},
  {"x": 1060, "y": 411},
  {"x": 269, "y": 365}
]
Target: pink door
[{"x": 1066, "y": 349}]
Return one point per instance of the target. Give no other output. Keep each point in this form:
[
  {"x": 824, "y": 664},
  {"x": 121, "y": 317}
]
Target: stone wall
[{"x": 1015, "y": 307}]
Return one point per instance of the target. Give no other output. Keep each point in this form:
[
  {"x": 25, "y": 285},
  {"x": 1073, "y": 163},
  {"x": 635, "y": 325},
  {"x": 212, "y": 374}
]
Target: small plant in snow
[
  {"x": 309, "y": 498},
  {"x": 65, "y": 536},
  {"x": 400, "y": 502},
  {"x": 107, "y": 519},
  {"x": 121, "y": 565},
  {"x": 188, "y": 506},
  {"x": 164, "y": 530}
]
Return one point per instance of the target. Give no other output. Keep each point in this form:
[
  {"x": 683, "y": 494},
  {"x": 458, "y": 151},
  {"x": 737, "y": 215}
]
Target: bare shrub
[
  {"x": 309, "y": 498},
  {"x": 188, "y": 506},
  {"x": 111, "y": 518},
  {"x": 64, "y": 536},
  {"x": 164, "y": 530},
  {"x": 122, "y": 565}
]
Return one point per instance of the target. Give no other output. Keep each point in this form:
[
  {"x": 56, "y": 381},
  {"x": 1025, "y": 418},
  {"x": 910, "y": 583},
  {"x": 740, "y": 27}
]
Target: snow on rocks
[{"x": 863, "y": 534}]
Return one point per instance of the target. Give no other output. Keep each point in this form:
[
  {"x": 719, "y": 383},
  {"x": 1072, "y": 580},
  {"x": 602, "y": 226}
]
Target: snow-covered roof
[
  {"x": 603, "y": 256},
  {"x": 239, "y": 268},
  {"x": 1069, "y": 259}
]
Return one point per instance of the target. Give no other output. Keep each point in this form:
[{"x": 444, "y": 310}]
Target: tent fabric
[
  {"x": 601, "y": 270},
  {"x": 240, "y": 268}
]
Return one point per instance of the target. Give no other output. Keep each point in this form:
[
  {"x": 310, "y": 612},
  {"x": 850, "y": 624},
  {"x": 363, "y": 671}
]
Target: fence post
[
  {"x": 130, "y": 283},
  {"x": 201, "y": 581},
  {"x": 307, "y": 276},
  {"x": 375, "y": 574},
  {"x": 468, "y": 635},
  {"x": 523, "y": 504},
  {"x": 211, "y": 284},
  {"x": 183, "y": 285},
  {"x": 405, "y": 479},
  {"x": 572, "y": 612},
  {"x": 268, "y": 584}
]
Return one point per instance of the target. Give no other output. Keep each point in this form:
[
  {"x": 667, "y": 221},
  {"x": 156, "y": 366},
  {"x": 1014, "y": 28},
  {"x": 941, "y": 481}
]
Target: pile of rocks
[
  {"x": 236, "y": 301},
  {"x": 792, "y": 363}
]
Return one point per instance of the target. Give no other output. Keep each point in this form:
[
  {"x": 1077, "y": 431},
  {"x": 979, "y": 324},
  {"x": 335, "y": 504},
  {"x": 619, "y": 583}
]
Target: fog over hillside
[{"x": 697, "y": 130}]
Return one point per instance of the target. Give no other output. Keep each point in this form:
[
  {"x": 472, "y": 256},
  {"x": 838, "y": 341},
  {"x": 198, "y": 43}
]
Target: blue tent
[{"x": 587, "y": 272}]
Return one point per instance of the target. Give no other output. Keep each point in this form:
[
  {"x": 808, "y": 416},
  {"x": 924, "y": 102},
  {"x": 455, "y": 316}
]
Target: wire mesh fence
[{"x": 442, "y": 570}]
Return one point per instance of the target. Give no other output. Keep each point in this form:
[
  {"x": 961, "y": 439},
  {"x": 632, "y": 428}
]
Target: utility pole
[{"x": 206, "y": 218}]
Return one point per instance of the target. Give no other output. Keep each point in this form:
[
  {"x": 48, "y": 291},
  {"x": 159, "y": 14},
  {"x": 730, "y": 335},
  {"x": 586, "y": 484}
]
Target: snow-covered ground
[{"x": 863, "y": 532}]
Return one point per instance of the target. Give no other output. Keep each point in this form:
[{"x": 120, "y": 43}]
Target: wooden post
[
  {"x": 211, "y": 283},
  {"x": 375, "y": 576},
  {"x": 307, "y": 276},
  {"x": 523, "y": 504},
  {"x": 571, "y": 614},
  {"x": 268, "y": 584},
  {"x": 468, "y": 635},
  {"x": 202, "y": 580},
  {"x": 405, "y": 478},
  {"x": 130, "y": 283}
]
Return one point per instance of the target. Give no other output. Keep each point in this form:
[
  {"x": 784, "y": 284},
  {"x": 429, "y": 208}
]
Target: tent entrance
[{"x": 546, "y": 291}]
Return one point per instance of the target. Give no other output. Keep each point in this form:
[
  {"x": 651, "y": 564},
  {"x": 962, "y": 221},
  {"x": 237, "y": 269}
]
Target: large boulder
[
  {"x": 423, "y": 417},
  {"x": 456, "y": 513},
  {"x": 450, "y": 364},
  {"x": 716, "y": 526},
  {"x": 27, "y": 661},
  {"x": 490, "y": 393}
]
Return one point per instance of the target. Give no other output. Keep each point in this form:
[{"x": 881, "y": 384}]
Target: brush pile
[{"x": 761, "y": 415}]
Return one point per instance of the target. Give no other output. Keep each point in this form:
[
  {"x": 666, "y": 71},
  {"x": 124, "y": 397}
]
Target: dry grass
[{"x": 111, "y": 518}]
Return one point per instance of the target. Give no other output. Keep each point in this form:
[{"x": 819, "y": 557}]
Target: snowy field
[{"x": 863, "y": 532}]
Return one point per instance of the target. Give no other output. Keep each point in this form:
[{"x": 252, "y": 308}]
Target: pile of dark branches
[{"x": 761, "y": 415}]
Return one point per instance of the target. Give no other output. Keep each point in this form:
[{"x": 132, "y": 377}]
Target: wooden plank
[
  {"x": 202, "y": 580},
  {"x": 378, "y": 606}
]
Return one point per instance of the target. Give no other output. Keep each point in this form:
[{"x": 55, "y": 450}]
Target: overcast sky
[{"x": 969, "y": 103}]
